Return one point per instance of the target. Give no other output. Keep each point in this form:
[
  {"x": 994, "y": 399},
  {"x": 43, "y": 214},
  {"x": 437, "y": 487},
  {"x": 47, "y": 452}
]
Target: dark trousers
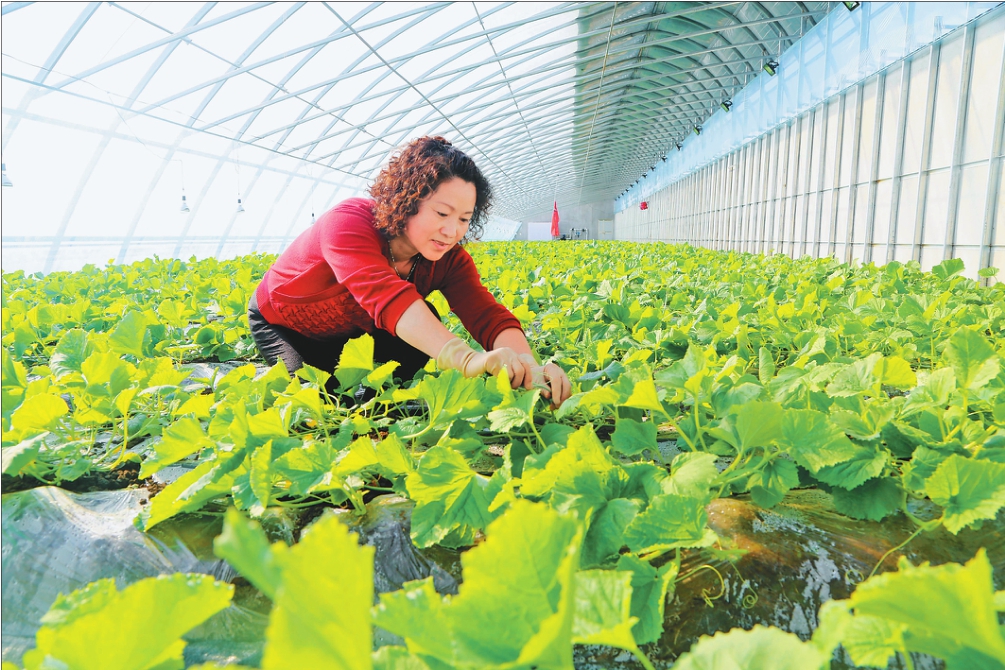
[{"x": 278, "y": 342}]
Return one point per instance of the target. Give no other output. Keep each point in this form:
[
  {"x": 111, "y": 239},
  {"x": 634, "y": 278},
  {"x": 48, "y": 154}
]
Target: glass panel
[
  {"x": 936, "y": 208},
  {"x": 847, "y": 147},
  {"x": 985, "y": 80},
  {"x": 973, "y": 195},
  {"x": 903, "y": 253},
  {"x": 881, "y": 220},
  {"x": 916, "y": 99},
  {"x": 868, "y": 137},
  {"x": 947, "y": 98},
  {"x": 890, "y": 123},
  {"x": 930, "y": 257},
  {"x": 861, "y": 195},
  {"x": 907, "y": 213},
  {"x": 30, "y": 35},
  {"x": 999, "y": 237},
  {"x": 971, "y": 257}
]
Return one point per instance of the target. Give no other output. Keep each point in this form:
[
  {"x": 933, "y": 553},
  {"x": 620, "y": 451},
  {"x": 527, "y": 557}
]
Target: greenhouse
[{"x": 516, "y": 335}]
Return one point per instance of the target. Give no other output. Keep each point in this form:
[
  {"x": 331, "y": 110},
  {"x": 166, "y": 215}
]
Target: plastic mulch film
[
  {"x": 795, "y": 556},
  {"x": 55, "y": 541}
]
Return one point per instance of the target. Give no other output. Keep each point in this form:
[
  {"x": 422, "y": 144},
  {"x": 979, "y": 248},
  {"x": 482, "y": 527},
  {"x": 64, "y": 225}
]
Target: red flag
[{"x": 554, "y": 221}]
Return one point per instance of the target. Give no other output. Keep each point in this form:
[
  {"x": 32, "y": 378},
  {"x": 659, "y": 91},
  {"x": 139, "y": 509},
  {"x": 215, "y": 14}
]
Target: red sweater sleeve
[
  {"x": 483, "y": 317},
  {"x": 356, "y": 254}
]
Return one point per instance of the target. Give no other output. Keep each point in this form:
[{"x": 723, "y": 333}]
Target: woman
[{"x": 367, "y": 265}]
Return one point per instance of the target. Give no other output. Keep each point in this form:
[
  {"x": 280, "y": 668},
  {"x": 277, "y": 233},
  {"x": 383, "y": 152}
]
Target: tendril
[{"x": 705, "y": 593}]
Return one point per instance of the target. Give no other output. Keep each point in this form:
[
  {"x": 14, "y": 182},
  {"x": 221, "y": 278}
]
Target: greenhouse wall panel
[{"x": 902, "y": 164}]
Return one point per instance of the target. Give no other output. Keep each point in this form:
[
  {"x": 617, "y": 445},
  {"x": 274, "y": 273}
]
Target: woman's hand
[
  {"x": 457, "y": 355},
  {"x": 523, "y": 369},
  {"x": 550, "y": 378}
]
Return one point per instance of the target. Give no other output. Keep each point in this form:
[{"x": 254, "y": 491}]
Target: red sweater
[{"x": 335, "y": 280}]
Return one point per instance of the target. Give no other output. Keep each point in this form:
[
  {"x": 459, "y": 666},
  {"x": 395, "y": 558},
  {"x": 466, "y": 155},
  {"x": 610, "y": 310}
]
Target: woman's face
[{"x": 442, "y": 219}]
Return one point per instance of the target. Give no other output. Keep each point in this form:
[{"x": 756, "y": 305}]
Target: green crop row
[
  {"x": 527, "y": 565},
  {"x": 765, "y": 373}
]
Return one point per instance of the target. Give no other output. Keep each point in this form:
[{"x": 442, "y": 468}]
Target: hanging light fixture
[
  {"x": 184, "y": 201},
  {"x": 697, "y": 129},
  {"x": 726, "y": 105},
  {"x": 771, "y": 67},
  {"x": 6, "y": 179},
  {"x": 240, "y": 207}
]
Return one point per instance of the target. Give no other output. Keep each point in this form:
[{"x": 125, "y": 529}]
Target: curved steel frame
[{"x": 582, "y": 100}]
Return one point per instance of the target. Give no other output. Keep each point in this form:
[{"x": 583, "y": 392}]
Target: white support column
[
  {"x": 926, "y": 149},
  {"x": 956, "y": 171}
]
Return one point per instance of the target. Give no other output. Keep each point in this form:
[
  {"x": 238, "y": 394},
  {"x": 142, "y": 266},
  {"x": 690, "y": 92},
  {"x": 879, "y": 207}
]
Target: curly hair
[{"x": 417, "y": 170}]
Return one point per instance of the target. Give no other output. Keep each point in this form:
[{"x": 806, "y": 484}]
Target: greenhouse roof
[{"x": 573, "y": 100}]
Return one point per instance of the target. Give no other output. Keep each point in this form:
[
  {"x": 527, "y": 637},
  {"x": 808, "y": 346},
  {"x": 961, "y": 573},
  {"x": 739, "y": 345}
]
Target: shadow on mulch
[{"x": 122, "y": 477}]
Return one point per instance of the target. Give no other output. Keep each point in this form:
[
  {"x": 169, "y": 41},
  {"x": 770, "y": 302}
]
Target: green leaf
[
  {"x": 393, "y": 456},
  {"x": 854, "y": 378},
  {"x": 397, "y": 658},
  {"x": 920, "y": 599},
  {"x": 515, "y": 413},
  {"x": 244, "y": 545},
  {"x": 449, "y": 496},
  {"x": 873, "y": 640},
  {"x": 972, "y": 358},
  {"x": 606, "y": 535},
  {"x": 758, "y": 424},
  {"x": 181, "y": 439},
  {"x": 106, "y": 368},
  {"x": 670, "y": 521},
  {"x": 757, "y": 649},
  {"x": 451, "y": 396},
  {"x": 127, "y": 336},
  {"x": 603, "y": 609},
  {"x": 691, "y": 474},
  {"x": 39, "y": 412},
  {"x": 186, "y": 494},
  {"x": 874, "y": 500},
  {"x": 770, "y": 484},
  {"x": 90, "y": 598},
  {"x": 650, "y": 589},
  {"x": 967, "y": 490},
  {"x": 633, "y": 437},
  {"x": 948, "y": 268},
  {"x": 321, "y": 619},
  {"x": 261, "y": 477},
  {"x": 813, "y": 440},
  {"x": 528, "y": 561},
  {"x": 896, "y": 372},
  {"x": 381, "y": 375},
  {"x": 867, "y": 424},
  {"x": 306, "y": 467},
  {"x": 864, "y": 464},
  {"x": 70, "y": 353},
  {"x": 22, "y": 454},
  {"x": 765, "y": 365},
  {"x": 356, "y": 361},
  {"x": 644, "y": 396},
  {"x": 125, "y": 632},
  {"x": 583, "y": 468}
]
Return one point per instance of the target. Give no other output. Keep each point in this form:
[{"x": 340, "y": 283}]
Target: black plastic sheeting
[{"x": 797, "y": 556}]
